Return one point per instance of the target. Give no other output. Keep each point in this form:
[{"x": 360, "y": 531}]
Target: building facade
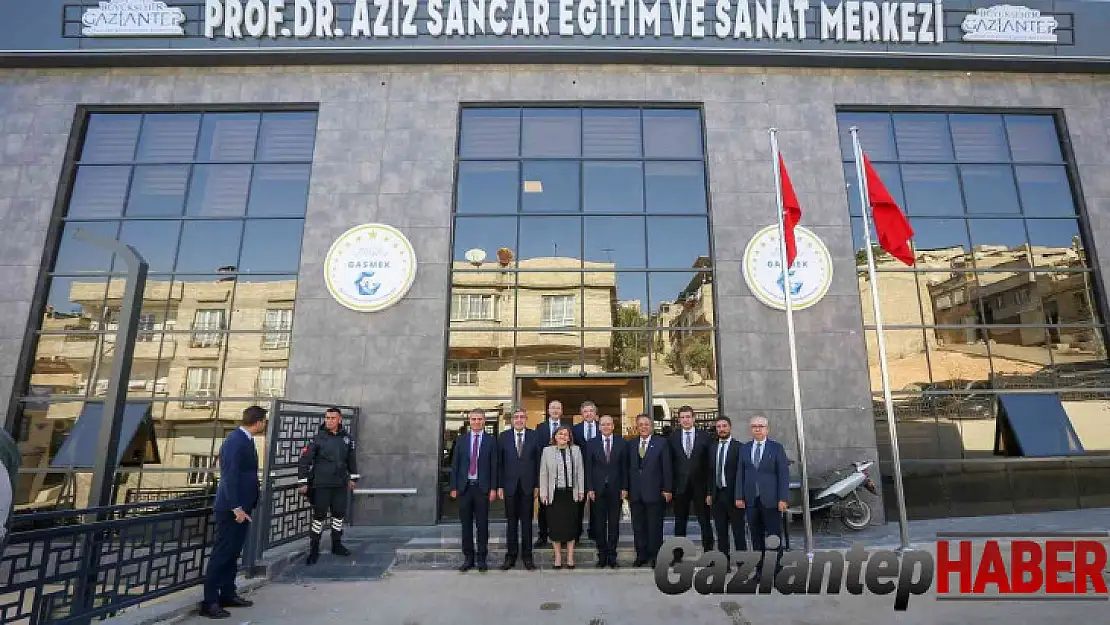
[{"x": 580, "y": 210}]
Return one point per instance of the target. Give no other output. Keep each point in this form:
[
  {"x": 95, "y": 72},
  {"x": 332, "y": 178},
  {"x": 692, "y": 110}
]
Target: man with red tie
[
  {"x": 606, "y": 488},
  {"x": 474, "y": 482}
]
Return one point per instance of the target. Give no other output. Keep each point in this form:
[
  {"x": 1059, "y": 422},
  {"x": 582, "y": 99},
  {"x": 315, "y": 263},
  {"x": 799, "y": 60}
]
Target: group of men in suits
[{"x": 717, "y": 479}]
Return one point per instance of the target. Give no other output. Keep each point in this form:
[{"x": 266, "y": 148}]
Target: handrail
[{"x": 385, "y": 491}]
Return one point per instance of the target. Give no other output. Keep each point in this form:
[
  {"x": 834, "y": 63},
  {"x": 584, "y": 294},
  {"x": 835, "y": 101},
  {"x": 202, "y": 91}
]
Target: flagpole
[
  {"x": 895, "y": 455},
  {"x": 807, "y": 522}
]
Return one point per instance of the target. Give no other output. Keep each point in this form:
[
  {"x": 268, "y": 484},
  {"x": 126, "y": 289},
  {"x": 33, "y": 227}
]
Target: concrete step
[{"x": 444, "y": 558}]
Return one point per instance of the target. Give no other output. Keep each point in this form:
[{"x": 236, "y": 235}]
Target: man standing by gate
[{"x": 328, "y": 470}]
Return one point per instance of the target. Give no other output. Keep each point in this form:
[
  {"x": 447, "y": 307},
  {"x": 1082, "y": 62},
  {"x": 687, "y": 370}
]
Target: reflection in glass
[
  {"x": 156, "y": 241},
  {"x": 917, "y": 426},
  {"x": 487, "y": 187},
  {"x": 64, "y": 363},
  {"x": 218, "y": 191},
  {"x": 675, "y": 187},
  {"x": 287, "y": 136},
  {"x": 550, "y": 187},
  {"x": 553, "y": 300},
  {"x": 1033, "y": 139},
  {"x": 979, "y": 138},
  {"x": 889, "y": 173},
  {"x": 168, "y": 137},
  {"x": 272, "y": 245},
  {"x": 613, "y": 187},
  {"x": 207, "y": 247},
  {"x": 940, "y": 235},
  {"x": 228, "y": 137},
  {"x": 480, "y": 364},
  {"x": 150, "y": 366},
  {"x": 681, "y": 297},
  {"x": 110, "y": 138},
  {"x": 677, "y": 242},
  {"x": 155, "y": 315},
  {"x": 989, "y": 189},
  {"x": 482, "y": 298},
  {"x": 611, "y": 133},
  {"x": 932, "y": 190},
  {"x": 1019, "y": 356},
  {"x": 550, "y": 237},
  {"x": 1007, "y": 234},
  {"x": 950, "y": 298},
  {"x": 158, "y": 191},
  {"x": 488, "y": 234},
  {"x": 876, "y": 136},
  {"x": 923, "y": 137},
  {"x": 629, "y": 302},
  {"x": 1066, "y": 297},
  {"x": 1055, "y": 241},
  {"x": 906, "y": 358},
  {"x": 551, "y": 133},
  {"x": 265, "y": 303},
  {"x": 616, "y": 241},
  {"x": 99, "y": 191},
  {"x": 80, "y": 257},
  {"x": 958, "y": 365},
  {"x": 672, "y": 133},
  {"x": 1045, "y": 191},
  {"x": 617, "y": 351},
  {"x": 489, "y": 133},
  {"x": 71, "y": 301},
  {"x": 683, "y": 362},
  {"x": 554, "y": 360},
  {"x": 900, "y": 295},
  {"x": 279, "y": 191}
]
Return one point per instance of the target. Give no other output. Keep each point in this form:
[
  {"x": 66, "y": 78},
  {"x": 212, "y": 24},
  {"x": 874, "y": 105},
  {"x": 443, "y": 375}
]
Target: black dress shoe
[
  {"x": 638, "y": 563},
  {"x": 540, "y": 543},
  {"x": 483, "y": 567},
  {"x": 214, "y": 611},
  {"x": 508, "y": 564},
  {"x": 466, "y": 566},
  {"x": 651, "y": 563},
  {"x": 236, "y": 602},
  {"x": 528, "y": 564},
  {"x": 613, "y": 564},
  {"x": 601, "y": 563}
]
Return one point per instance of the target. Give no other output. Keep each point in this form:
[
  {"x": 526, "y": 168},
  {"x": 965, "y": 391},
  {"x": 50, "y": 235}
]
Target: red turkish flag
[
  {"x": 791, "y": 213},
  {"x": 891, "y": 225}
]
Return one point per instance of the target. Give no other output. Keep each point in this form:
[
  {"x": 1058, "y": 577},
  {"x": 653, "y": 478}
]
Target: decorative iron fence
[
  {"x": 80, "y": 565},
  {"x": 284, "y": 514}
]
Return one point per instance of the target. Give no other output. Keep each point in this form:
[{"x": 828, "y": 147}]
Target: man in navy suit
[
  {"x": 517, "y": 485},
  {"x": 724, "y": 459},
  {"x": 545, "y": 435},
  {"x": 606, "y": 484},
  {"x": 236, "y": 497},
  {"x": 583, "y": 433},
  {"x": 763, "y": 486},
  {"x": 649, "y": 489},
  {"x": 690, "y": 455},
  {"x": 474, "y": 481}
]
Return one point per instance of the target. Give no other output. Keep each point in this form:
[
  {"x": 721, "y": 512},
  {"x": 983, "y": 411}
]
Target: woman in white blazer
[{"x": 562, "y": 486}]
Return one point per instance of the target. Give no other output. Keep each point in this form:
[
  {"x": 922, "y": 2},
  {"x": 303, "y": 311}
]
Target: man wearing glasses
[{"x": 762, "y": 487}]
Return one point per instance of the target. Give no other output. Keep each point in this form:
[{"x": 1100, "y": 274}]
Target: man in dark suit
[
  {"x": 724, "y": 458},
  {"x": 649, "y": 489},
  {"x": 236, "y": 497},
  {"x": 545, "y": 435},
  {"x": 690, "y": 457},
  {"x": 583, "y": 433},
  {"x": 606, "y": 483},
  {"x": 763, "y": 486},
  {"x": 517, "y": 486},
  {"x": 473, "y": 479}
]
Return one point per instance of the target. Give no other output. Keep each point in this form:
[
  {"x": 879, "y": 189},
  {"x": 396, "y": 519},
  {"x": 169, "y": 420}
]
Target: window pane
[
  {"x": 923, "y": 137},
  {"x": 1045, "y": 191},
  {"x": 1008, "y": 297},
  {"x": 898, "y": 297},
  {"x": 1033, "y": 139},
  {"x": 876, "y": 135},
  {"x": 550, "y": 187},
  {"x": 207, "y": 247},
  {"x": 78, "y": 256},
  {"x": 110, "y": 138},
  {"x": 72, "y": 303},
  {"x": 265, "y": 303},
  {"x": 487, "y": 187},
  {"x": 938, "y": 234},
  {"x": 979, "y": 138},
  {"x": 287, "y": 136},
  {"x": 677, "y": 242},
  {"x": 168, "y": 137},
  {"x": 949, "y": 298},
  {"x": 989, "y": 189},
  {"x": 99, "y": 191},
  {"x": 628, "y": 307},
  {"x": 489, "y": 133},
  {"x": 889, "y": 173},
  {"x": 158, "y": 191},
  {"x": 218, "y": 190},
  {"x": 550, "y": 237},
  {"x": 959, "y": 365},
  {"x": 617, "y": 351},
  {"x": 228, "y": 137},
  {"x": 487, "y": 356},
  {"x": 551, "y": 133},
  {"x": 684, "y": 363},
  {"x": 1055, "y": 242},
  {"x": 677, "y": 187},
  {"x": 613, "y": 187},
  {"x": 670, "y": 289},
  {"x": 1007, "y": 234},
  {"x": 279, "y": 191},
  {"x": 488, "y": 234},
  {"x": 1017, "y": 354},
  {"x": 156, "y": 241},
  {"x": 64, "y": 362},
  {"x": 1067, "y": 297},
  {"x": 611, "y": 133},
  {"x": 272, "y": 245},
  {"x": 615, "y": 242},
  {"x": 550, "y": 300},
  {"x": 672, "y": 133},
  {"x": 932, "y": 190}
]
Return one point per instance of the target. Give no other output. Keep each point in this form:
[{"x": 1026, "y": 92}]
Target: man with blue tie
[
  {"x": 236, "y": 497},
  {"x": 763, "y": 486},
  {"x": 585, "y": 432},
  {"x": 517, "y": 487},
  {"x": 721, "y": 488},
  {"x": 606, "y": 484},
  {"x": 649, "y": 490},
  {"x": 474, "y": 481}
]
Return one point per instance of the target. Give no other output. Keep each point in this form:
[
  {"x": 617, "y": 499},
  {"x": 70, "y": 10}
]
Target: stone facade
[{"x": 385, "y": 153}]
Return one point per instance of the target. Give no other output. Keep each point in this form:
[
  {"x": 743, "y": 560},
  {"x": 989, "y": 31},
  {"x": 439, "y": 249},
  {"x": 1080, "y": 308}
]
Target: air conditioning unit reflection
[{"x": 199, "y": 398}]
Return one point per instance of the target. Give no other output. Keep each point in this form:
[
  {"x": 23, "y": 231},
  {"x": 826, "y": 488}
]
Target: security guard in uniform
[{"x": 327, "y": 470}]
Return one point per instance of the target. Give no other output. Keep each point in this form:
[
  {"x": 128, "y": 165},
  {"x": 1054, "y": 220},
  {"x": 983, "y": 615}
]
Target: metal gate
[{"x": 284, "y": 514}]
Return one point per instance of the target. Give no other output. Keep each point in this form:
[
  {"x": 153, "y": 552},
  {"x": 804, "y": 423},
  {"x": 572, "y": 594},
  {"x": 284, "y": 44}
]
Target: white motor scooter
[{"x": 839, "y": 496}]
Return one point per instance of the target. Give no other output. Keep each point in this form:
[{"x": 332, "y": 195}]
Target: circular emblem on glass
[
  {"x": 810, "y": 276},
  {"x": 370, "y": 267}
]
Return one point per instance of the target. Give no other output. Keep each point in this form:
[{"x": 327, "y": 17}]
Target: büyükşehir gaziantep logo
[{"x": 133, "y": 18}]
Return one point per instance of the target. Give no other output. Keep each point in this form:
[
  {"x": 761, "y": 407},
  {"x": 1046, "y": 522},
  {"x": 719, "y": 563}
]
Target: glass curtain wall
[
  {"x": 1003, "y": 294},
  {"x": 215, "y": 202},
  {"x": 582, "y": 266}
]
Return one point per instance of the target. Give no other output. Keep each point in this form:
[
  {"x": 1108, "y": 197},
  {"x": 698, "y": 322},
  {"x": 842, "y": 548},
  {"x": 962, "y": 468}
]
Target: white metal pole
[
  {"x": 793, "y": 350},
  {"x": 861, "y": 177}
]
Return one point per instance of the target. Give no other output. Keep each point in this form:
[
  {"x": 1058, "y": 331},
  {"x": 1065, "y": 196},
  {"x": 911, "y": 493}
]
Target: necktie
[
  {"x": 643, "y": 448},
  {"x": 589, "y": 431},
  {"x": 553, "y": 427},
  {"x": 519, "y": 443},
  {"x": 474, "y": 454},
  {"x": 688, "y": 445},
  {"x": 721, "y": 464},
  {"x": 608, "y": 448},
  {"x": 758, "y": 453}
]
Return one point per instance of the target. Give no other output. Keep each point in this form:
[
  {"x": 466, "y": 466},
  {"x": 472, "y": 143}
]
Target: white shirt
[
  {"x": 758, "y": 449},
  {"x": 722, "y": 460},
  {"x": 553, "y": 426},
  {"x": 244, "y": 430},
  {"x": 588, "y": 428},
  {"x": 688, "y": 440}
]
